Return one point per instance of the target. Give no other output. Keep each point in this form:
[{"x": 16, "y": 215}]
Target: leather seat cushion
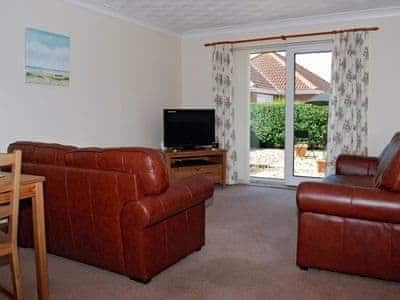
[{"x": 361, "y": 181}]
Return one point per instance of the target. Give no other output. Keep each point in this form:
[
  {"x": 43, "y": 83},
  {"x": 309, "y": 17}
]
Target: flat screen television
[{"x": 189, "y": 128}]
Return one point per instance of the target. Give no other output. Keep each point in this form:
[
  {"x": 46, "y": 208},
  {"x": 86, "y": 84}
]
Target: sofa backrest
[
  {"x": 147, "y": 164},
  {"x": 42, "y": 153},
  {"x": 388, "y": 170}
]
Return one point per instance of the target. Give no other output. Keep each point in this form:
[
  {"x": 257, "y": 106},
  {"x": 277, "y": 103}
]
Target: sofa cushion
[
  {"x": 27, "y": 148},
  {"x": 85, "y": 158},
  {"x": 147, "y": 163},
  {"x": 390, "y": 178},
  {"x": 388, "y": 170},
  {"x": 364, "y": 203},
  {"x": 347, "y": 164},
  {"x": 386, "y": 157},
  {"x": 42, "y": 153},
  {"x": 360, "y": 181}
]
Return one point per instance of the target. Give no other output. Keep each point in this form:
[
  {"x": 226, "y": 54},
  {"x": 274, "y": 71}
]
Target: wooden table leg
[{"x": 39, "y": 235}]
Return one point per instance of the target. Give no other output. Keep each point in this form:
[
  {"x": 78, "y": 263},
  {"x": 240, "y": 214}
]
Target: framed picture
[{"x": 46, "y": 58}]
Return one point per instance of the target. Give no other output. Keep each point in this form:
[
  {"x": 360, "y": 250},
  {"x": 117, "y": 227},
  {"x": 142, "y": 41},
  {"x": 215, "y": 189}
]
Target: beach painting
[{"x": 46, "y": 58}]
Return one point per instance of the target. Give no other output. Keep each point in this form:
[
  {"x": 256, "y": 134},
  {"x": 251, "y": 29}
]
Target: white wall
[
  {"x": 384, "y": 102},
  {"x": 122, "y": 75}
]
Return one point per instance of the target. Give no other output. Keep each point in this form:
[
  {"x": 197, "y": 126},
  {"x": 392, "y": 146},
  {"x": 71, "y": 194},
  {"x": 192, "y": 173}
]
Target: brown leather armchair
[
  {"x": 351, "y": 221},
  {"x": 114, "y": 208}
]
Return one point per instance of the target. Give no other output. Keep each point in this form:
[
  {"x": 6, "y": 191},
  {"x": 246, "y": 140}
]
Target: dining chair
[{"x": 9, "y": 204}]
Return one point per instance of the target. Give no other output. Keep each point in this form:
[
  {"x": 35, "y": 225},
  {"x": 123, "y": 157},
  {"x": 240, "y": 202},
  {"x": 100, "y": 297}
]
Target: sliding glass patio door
[
  {"x": 289, "y": 96},
  {"x": 267, "y": 115}
]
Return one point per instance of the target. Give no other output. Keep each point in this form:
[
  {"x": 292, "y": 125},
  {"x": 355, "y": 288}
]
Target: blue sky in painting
[{"x": 47, "y": 50}]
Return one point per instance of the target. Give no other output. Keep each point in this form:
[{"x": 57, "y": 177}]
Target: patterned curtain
[
  {"x": 222, "y": 73},
  {"x": 348, "y": 105}
]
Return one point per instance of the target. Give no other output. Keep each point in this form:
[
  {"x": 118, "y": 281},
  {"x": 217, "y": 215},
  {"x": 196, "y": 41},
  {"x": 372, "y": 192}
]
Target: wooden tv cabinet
[{"x": 182, "y": 164}]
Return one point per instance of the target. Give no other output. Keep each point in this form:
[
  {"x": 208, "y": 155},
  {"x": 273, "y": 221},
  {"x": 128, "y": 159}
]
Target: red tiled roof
[
  {"x": 259, "y": 81},
  {"x": 272, "y": 69}
]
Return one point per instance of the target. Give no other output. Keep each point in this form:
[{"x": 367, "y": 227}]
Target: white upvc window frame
[{"x": 291, "y": 50}]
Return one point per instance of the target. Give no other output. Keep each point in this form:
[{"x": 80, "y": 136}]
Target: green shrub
[{"x": 268, "y": 123}]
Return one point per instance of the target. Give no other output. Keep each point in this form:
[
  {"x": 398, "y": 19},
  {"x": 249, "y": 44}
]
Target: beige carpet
[{"x": 249, "y": 254}]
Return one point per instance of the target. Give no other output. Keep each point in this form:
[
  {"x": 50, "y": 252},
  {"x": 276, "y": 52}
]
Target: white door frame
[{"x": 291, "y": 50}]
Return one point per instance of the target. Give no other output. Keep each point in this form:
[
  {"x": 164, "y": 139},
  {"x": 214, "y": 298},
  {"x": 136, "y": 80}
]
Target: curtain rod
[{"x": 290, "y": 36}]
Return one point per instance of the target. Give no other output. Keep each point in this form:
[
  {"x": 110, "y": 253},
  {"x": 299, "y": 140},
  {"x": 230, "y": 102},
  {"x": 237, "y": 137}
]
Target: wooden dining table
[{"x": 32, "y": 187}]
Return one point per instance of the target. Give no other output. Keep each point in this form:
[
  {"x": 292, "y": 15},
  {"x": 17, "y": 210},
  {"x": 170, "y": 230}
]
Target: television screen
[{"x": 189, "y": 128}]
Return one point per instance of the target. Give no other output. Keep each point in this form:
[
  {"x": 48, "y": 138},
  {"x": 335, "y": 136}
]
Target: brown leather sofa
[
  {"x": 114, "y": 208},
  {"x": 351, "y": 222}
]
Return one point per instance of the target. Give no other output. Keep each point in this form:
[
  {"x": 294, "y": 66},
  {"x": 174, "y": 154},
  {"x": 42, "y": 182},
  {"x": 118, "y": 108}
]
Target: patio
[{"x": 269, "y": 163}]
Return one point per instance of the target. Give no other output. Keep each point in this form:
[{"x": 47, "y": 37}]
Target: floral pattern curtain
[
  {"x": 222, "y": 73},
  {"x": 348, "y": 123}
]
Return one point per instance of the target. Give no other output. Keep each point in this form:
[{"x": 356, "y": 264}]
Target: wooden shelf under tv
[{"x": 186, "y": 163}]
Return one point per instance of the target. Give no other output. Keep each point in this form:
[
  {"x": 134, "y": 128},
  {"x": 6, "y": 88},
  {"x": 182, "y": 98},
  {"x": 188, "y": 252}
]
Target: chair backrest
[{"x": 10, "y": 189}]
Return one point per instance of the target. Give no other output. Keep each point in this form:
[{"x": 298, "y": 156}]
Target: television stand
[{"x": 186, "y": 163}]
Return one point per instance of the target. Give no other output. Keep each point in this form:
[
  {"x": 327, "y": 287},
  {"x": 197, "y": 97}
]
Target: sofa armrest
[
  {"x": 179, "y": 197},
  {"x": 349, "y": 202},
  {"x": 356, "y": 165}
]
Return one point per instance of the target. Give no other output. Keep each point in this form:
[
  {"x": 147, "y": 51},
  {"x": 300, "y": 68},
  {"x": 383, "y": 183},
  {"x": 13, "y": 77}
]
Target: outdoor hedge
[{"x": 268, "y": 124}]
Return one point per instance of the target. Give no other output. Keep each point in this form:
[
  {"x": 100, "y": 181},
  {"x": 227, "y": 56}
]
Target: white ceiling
[{"x": 185, "y": 16}]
